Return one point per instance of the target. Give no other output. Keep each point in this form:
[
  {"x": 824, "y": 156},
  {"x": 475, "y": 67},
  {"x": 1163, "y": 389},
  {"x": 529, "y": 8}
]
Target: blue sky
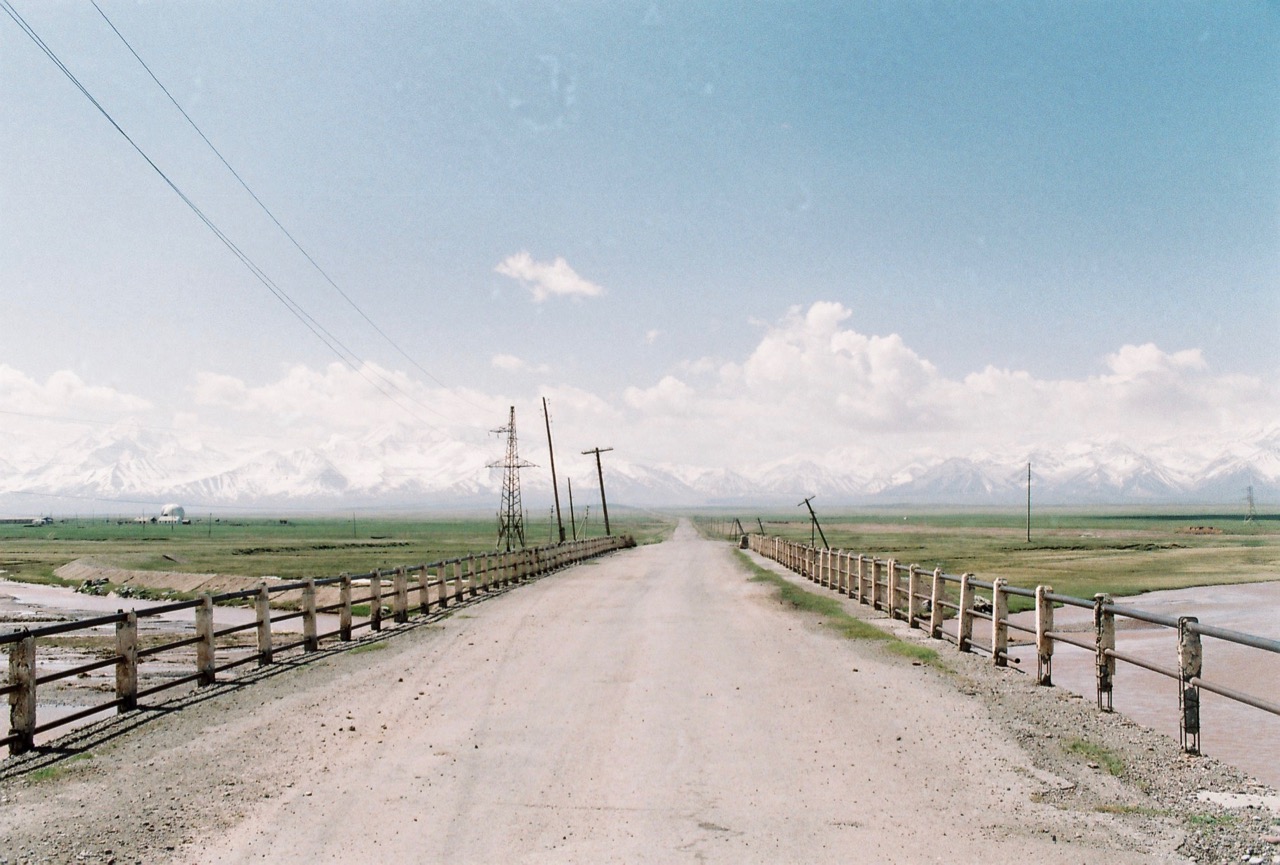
[{"x": 1008, "y": 189}]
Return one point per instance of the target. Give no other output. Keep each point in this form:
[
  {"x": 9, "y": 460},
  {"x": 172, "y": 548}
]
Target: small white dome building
[{"x": 172, "y": 514}]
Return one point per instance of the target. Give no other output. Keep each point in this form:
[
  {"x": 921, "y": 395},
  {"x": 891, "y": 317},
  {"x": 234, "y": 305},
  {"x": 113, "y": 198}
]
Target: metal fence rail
[
  {"x": 900, "y": 592},
  {"x": 435, "y": 585}
]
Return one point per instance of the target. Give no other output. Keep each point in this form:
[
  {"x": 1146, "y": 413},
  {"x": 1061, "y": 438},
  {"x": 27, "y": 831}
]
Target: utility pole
[
  {"x": 1028, "y": 502},
  {"x": 600, "y": 473},
  {"x": 815, "y": 524},
  {"x": 555, "y": 487},
  {"x": 761, "y": 524},
  {"x": 573, "y": 524}
]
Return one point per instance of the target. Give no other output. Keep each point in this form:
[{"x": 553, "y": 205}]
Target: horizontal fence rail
[
  {"x": 378, "y": 594},
  {"x": 925, "y": 599}
]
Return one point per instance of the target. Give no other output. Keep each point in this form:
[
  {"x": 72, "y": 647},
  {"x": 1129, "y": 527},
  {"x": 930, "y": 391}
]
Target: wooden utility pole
[
  {"x": 573, "y": 523},
  {"x": 1028, "y": 502},
  {"x": 555, "y": 487},
  {"x": 600, "y": 473},
  {"x": 816, "y": 524}
]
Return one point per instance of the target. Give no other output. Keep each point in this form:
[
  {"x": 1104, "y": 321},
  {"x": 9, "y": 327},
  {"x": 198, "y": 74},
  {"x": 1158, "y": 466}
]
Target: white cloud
[
  {"x": 511, "y": 363},
  {"x": 62, "y": 393},
  {"x": 547, "y": 279},
  {"x": 651, "y": 336}
]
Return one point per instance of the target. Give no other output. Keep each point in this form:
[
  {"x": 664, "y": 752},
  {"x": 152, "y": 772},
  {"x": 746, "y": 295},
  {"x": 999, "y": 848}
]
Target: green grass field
[
  {"x": 1121, "y": 551},
  {"x": 292, "y": 548}
]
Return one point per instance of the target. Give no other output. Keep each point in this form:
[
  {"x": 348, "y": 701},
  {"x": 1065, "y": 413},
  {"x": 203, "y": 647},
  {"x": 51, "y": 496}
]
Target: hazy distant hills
[{"x": 118, "y": 471}]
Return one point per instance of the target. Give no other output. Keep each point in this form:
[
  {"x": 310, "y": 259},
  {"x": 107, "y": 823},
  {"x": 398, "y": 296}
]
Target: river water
[{"x": 1242, "y": 735}]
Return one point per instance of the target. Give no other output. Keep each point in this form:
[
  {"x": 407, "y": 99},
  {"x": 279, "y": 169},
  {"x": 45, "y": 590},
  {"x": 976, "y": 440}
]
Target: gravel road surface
[{"x": 652, "y": 706}]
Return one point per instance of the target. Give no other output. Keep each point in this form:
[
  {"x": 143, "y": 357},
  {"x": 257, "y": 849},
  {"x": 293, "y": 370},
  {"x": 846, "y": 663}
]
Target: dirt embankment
[
  {"x": 87, "y": 569},
  {"x": 655, "y": 706}
]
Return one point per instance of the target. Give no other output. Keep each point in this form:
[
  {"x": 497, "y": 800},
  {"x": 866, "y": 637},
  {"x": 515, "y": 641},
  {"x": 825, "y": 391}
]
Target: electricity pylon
[{"x": 511, "y": 513}]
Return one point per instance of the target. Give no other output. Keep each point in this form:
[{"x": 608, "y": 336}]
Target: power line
[
  {"x": 334, "y": 344},
  {"x": 270, "y": 215}
]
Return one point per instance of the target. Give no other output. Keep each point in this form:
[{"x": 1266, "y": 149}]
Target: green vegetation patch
[
  {"x": 1103, "y": 756},
  {"x": 834, "y": 615}
]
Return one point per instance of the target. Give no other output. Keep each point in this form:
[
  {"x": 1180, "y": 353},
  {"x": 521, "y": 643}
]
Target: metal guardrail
[
  {"x": 436, "y": 585},
  {"x": 880, "y": 583}
]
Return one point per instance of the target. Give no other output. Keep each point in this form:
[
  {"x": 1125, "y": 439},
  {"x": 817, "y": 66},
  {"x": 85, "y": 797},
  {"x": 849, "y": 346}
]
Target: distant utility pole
[
  {"x": 511, "y": 512},
  {"x": 814, "y": 524},
  {"x": 1028, "y": 502},
  {"x": 1253, "y": 509},
  {"x": 600, "y": 473},
  {"x": 555, "y": 487}
]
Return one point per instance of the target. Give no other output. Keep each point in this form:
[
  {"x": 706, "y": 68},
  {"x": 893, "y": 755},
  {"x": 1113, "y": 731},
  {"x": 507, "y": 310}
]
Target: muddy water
[{"x": 1231, "y": 731}]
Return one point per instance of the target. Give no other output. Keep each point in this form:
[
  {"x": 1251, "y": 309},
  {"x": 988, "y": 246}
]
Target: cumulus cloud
[
  {"x": 511, "y": 363},
  {"x": 546, "y": 279},
  {"x": 61, "y": 393}
]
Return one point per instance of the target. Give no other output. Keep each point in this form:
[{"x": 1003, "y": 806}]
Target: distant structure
[
  {"x": 1253, "y": 509},
  {"x": 511, "y": 513},
  {"x": 172, "y": 514}
]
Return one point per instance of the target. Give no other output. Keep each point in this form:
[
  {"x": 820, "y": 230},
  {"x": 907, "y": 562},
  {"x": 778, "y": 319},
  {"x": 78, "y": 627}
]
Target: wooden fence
[
  {"x": 927, "y": 599},
  {"x": 435, "y": 586}
]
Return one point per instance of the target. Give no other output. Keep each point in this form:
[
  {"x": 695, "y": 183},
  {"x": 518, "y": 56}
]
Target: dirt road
[{"x": 654, "y": 706}]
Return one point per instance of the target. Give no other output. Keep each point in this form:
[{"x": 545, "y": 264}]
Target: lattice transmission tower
[{"x": 511, "y": 513}]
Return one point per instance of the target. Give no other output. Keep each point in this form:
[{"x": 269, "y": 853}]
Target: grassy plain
[
  {"x": 291, "y": 549},
  {"x": 1121, "y": 551}
]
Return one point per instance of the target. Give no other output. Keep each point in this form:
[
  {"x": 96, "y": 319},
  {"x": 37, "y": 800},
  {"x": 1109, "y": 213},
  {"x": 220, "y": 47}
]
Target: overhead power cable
[
  {"x": 270, "y": 215},
  {"x": 335, "y": 345}
]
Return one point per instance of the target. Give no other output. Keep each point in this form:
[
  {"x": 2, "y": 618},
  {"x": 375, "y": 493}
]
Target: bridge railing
[
  {"x": 949, "y": 607},
  {"x": 148, "y": 640}
]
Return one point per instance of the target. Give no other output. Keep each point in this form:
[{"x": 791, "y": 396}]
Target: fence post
[
  {"x": 127, "y": 665},
  {"x": 311, "y": 642},
  {"x": 937, "y": 593},
  {"x": 1044, "y": 642},
  {"x": 964, "y": 634},
  {"x": 375, "y": 601},
  {"x": 1190, "y": 661},
  {"x": 442, "y": 593},
  {"x": 1104, "y": 624},
  {"x": 205, "y": 664},
  {"x": 877, "y": 594},
  {"x": 472, "y": 588},
  {"x": 913, "y": 588},
  {"x": 999, "y": 623},
  {"x": 400, "y": 584},
  {"x": 891, "y": 588},
  {"x": 262, "y": 606},
  {"x": 344, "y": 614},
  {"x": 22, "y": 702}
]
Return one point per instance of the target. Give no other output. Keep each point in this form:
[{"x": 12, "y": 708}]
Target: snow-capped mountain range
[{"x": 123, "y": 470}]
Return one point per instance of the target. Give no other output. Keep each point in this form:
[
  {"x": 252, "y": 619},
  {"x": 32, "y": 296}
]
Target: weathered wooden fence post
[
  {"x": 22, "y": 702},
  {"x": 913, "y": 590},
  {"x": 891, "y": 589},
  {"x": 1104, "y": 624},
  {"x": 964, "y": 632},
  {"x": 472, "y": 588},
  {"x": 127, "y": 663},
  {"x": 400, "y": 585},
  {"x": 1044, "y": 642},
  {"x": 1190, "y": 662},
  {"x": 310, "y": 641},
  {"x": 937, "y": 593},
  {"x": 999, "y": 623},
  {"x": 442, "y": 596},
  {"x": 205, "y": 664},
  {"x": 262, "y": 608},
  {"x": 375, "y": 601},
  {"x": 344, "y": 613},
  {"x": 877, "y": 593}
]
